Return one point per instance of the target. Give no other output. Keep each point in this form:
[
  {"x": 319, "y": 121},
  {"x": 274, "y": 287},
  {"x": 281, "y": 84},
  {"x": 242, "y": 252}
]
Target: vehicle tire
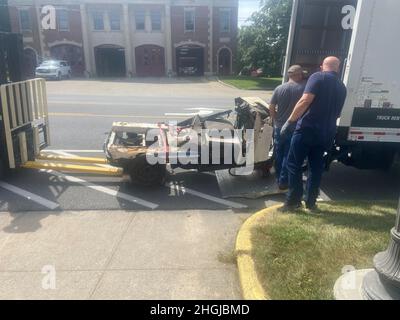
[
  {"x": 145, "y": 174},
  {"x": 2, "y": 169},
  {"x": 69, "y": 76},
  {"x": 59, "y": 76}
]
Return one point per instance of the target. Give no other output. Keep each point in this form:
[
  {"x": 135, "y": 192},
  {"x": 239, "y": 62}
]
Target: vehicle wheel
[
  {"x": 69, "y": 75},
  {"x": 59, "y": 76},
  {"x": 2, "y": 169},
  {"x": 143, "y": 173}
]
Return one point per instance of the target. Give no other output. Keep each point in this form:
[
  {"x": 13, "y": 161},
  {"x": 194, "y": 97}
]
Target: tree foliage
[{"x": 262, "y": 43}]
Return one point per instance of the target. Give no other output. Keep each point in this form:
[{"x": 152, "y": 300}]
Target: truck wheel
[
  {"x": 2, "y": 169},
  {"x": 143, "y": 173}
]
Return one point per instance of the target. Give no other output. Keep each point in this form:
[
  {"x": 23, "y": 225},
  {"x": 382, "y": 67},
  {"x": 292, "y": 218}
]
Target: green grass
[
  {"x": 251, "y": 83},
  {"x": 300, "y": 256}
]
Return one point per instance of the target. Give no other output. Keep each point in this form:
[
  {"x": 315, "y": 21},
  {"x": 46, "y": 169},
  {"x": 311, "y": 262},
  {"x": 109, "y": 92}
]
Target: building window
[
  {"x": 225, "y": 20},
  {"x": 115, "y": 20},
  {"x": 155, "y": 20},
  {"x": 25, "y": 20},
  {"x": 62, "y": 20},
  {"x": 98, "y": 21},
  {"x": 140, "y": 19},
  {"x": 189, "y": 20}
]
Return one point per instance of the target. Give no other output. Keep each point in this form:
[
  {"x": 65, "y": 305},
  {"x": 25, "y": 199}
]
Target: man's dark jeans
[
  {"x": 281, "y": 147},
  {"x": 305, "y": 145}
]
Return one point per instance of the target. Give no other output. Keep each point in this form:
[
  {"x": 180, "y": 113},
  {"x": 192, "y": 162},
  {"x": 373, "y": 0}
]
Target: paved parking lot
[
  {"x": 106, "y": 238},
  {"x": 118, "y": 255},
  {"x": 82, "y": 113}
]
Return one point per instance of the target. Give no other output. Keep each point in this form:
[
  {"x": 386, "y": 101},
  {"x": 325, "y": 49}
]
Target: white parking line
[
  {"x": 127, "y": 197},
  {"x": 105, "y": 190},
  {"x": 195, "y": 193},
  {"x": 63, "y": 153},
  {"x": 324, "y": 196},
  {"x": 29, "y": 196},
  {"x": 74, "y": 151}
]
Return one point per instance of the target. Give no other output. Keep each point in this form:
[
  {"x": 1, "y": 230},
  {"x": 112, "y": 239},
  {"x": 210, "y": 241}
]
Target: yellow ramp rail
[
  {"x": 108, "y": 171},
  {"x": 57, "y": 158},
  {"x": 97, "y": 166}
]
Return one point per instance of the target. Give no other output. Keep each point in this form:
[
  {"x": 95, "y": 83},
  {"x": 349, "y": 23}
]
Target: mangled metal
[{"x": 223, "y": 140}]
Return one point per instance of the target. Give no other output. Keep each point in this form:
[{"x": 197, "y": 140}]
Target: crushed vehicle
[{"x": 231, "y": 139}]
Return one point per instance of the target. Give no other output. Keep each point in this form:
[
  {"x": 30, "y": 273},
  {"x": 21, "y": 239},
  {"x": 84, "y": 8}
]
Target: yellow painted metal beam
[
  {"x": 108, "y": 171},
  {"x": 87, "y": 160}
]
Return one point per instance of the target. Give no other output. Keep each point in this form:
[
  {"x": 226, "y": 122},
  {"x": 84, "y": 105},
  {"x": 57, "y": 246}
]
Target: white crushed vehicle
[{"x": 225, "y": 140}]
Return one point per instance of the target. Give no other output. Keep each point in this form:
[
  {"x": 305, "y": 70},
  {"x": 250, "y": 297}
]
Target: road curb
[
  {"x": 249, "y": 282},
  {"x": 227, "y": 85}
]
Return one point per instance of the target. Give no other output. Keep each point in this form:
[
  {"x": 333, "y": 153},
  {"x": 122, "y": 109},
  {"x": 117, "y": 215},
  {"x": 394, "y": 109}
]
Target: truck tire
[
  {"x": 2, "y": 169},
  {"x": 371, "y": 158},
  {"x": 145, "y": 174}
]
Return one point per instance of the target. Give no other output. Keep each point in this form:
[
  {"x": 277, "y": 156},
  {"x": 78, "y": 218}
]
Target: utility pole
[{"x": 384, "y": 282}]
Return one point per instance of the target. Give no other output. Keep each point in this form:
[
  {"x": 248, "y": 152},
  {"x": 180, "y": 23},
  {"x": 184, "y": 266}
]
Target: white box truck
[{"x": 363, "y": 34}]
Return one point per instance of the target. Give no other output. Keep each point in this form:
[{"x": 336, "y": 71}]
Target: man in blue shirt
[{"x": 313, "y": 121}]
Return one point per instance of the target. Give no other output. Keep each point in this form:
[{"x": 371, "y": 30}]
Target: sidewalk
[{"x": 118, "y": 255}]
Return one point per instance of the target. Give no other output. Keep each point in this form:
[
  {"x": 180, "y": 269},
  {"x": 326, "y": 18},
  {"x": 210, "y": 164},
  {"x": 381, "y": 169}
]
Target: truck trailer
[{"x": 360, "y": 33}]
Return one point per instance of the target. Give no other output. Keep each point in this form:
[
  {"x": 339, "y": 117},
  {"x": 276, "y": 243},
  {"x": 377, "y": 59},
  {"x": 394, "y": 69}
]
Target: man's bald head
[{"x": 331, "y": 64}]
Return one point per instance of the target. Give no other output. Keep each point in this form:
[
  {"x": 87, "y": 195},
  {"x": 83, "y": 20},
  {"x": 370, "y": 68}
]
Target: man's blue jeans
[
  {"x": 304, "y": 145},
  {"x": 281, "y": 148}
]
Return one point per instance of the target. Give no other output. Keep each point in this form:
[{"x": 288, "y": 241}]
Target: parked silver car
[{"x": 53, "y": 69}]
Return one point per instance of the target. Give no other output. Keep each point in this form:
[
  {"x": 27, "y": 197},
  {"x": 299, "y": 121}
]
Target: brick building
[{"x": 131, "y": 37}]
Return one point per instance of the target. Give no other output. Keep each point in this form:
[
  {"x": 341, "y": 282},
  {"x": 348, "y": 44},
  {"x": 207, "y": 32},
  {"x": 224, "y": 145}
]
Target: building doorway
[
  {"x": 150, "y": 61},
  {"x": 190, "y": 60},
  {"x": 110, "y": 61},
  {"x": 224, "y": 62}
]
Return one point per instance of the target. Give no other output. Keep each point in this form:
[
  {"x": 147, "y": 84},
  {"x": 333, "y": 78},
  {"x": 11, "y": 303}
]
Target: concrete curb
[
  {"x": 227, "y": 84},
  {"x": 249, "y": 282}
]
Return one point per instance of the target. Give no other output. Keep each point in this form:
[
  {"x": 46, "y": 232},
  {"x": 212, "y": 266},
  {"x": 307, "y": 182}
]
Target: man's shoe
[
  {"x": 312, "y": 207},
  {"x": 283, "y": 187},
  {"x": 286, "y": 208}
]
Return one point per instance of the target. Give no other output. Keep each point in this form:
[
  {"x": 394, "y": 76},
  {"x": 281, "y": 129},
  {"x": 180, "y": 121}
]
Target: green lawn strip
[
  {"x": 300, "y": 256},
  {"x": 252, "y": 83}
]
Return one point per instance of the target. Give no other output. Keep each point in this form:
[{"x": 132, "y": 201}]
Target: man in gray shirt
[{"x": 282, "y": 103}]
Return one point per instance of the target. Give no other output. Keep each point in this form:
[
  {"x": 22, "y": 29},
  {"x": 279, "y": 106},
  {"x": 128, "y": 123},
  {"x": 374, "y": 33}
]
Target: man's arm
[
  {"x": 272, "y": 111},
  {"x": 301, "y": 107},
  {"x": 273, "y": 104}
]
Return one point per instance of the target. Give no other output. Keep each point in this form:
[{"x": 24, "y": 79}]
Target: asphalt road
[{"x": 81, "y": 115}]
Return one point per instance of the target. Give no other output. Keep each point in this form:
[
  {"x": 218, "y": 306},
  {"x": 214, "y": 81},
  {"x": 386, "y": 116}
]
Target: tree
[{"x": 262, "y": 43}]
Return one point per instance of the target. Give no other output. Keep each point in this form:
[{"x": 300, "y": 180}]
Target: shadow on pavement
[{"x": 347, "y": 183}]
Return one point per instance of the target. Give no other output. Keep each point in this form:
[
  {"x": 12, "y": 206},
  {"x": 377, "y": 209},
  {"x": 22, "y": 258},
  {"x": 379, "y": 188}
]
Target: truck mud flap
[{"x": 251, "y": 186}]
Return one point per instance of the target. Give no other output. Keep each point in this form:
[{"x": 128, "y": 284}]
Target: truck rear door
[
  {"x": 372, "y": 109},
  {"x": 319, "y": 28}
]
